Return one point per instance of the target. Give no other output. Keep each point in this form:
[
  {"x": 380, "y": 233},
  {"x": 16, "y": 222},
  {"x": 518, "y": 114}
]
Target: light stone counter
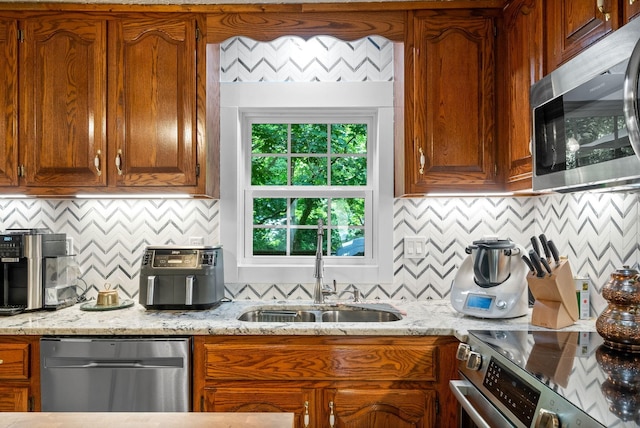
[{"x": 433, "y": 317}]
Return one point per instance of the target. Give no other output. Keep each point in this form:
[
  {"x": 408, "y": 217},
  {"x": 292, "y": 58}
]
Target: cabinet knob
[{"x": 1, "y": 361}]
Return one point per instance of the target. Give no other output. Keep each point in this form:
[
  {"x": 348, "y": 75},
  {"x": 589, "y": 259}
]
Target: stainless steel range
[{"x": 546, "y": 379}]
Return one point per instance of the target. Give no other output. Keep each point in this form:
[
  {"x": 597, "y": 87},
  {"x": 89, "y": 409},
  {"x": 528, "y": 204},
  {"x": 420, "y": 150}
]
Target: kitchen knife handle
[
  {"x": 554, "y": 251},
  {"x": 528, "y": 263},
  {"x": 534, "y": 245},
  {"x": 545, "y": 246},
  {"x": 535, "y": 261},
  {"x": 546, "y": 265}
]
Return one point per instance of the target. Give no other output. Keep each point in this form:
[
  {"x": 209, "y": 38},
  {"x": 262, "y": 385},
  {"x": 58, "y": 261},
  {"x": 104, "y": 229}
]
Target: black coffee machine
[
  {"x": 23, "y": 255},
  {"x": 173, "y": 277}
]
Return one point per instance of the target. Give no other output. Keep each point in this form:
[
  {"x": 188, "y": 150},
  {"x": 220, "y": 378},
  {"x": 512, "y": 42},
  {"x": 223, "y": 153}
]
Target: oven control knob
[
  {"x": 474, "y": 362},
  {"x": 463, "y": 352},
  {"x": 547, "y": 419}
]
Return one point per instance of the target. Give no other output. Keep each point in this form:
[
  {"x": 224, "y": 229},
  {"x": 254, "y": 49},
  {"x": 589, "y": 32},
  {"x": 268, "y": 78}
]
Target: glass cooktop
[{"x": 603, "y": 382}]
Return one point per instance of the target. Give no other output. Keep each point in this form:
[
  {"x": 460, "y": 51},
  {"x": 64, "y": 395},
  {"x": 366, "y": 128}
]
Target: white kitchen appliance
[{"x": 491, "y": 282}]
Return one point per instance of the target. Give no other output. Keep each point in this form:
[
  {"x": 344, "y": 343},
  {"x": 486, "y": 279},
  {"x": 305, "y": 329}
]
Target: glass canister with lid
[{"x": 619, "y": 323}]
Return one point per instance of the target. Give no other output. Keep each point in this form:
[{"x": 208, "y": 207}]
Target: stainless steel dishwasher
[{"x": 115, "y": 374}]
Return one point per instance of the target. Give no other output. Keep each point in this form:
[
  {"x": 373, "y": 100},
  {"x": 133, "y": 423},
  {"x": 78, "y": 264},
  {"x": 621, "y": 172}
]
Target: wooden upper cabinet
[
  {"x": 450, "y": 121},
  {"x": 62, "y": 101},
  {"x": 8, "y": 103},
  {"x": 152, "y": 107},
  {"x": 573, "y": 25},
  {"x": 519, "y": 68}
]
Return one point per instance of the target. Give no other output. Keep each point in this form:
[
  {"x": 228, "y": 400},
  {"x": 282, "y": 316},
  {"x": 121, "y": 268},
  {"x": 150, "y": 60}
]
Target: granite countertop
[{"x": 432, "y": 317}]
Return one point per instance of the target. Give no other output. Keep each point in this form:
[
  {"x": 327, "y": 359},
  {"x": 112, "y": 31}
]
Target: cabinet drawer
[
  {"x": 309, "y": 360},
  {"x": 14, "y": 360}
]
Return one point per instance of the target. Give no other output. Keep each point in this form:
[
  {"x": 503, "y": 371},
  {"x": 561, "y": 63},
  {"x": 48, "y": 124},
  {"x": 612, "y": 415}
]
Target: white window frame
[{"x": 239, "y": 102}]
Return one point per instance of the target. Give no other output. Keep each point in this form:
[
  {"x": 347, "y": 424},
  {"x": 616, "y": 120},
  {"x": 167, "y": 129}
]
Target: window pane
[
  {"x": 309, "y": 171},
  {"x": 349, "y": 138},
  {"x": 347, "y": 242},
  {"x": 307, "y": 211},
  {"x": 347, "y": 212},
  {"x": 268, "y": 242},
  {"x": 304, "y": 242},
  {"x": 268, "y": 171},
  {"x": 269, "y": 211},
  {"x": 269, "y": 138},
  {"x": 309, "y": 138},
  {"x": 349, "y": 171}
]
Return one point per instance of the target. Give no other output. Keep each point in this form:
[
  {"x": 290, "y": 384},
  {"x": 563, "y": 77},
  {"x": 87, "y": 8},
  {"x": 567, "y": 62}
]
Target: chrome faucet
[{"x": 320, "y": 290}]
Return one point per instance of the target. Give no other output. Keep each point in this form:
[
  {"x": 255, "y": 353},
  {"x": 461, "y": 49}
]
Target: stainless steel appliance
[
  {"x": 491, "y": 282},
  {"x": 175, "y": 277},
  {"x": 23, "y": 260},
  {"x": 585, "y": 118},
  {"x": 544, "y": 379},
  {"x": 120, "y": 375}
]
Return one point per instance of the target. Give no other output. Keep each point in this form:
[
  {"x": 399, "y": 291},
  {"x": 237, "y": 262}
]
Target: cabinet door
[
  {"x": 288, "y": 399},
  {"x": 573, "y": 25},
  {"x": 153, "y": 102},
  {"x": 62, "y": 101},
  {"x": 521, "y": 67},
  {"x": 631, "y": 10},
  {"x": 14, "y": 399},
  {"x": 453, "y": 103},
  {"x": 365, "y": 408},
  {"x": 8, "y": 103}
]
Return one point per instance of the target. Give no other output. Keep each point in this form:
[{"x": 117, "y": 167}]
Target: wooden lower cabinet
[
  {"x": 19, "y": 373},
  {"x": 354, "y": 382}
]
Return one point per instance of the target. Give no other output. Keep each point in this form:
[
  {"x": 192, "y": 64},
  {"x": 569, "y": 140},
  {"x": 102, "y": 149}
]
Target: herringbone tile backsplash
[{"x": 598, "y": 232}]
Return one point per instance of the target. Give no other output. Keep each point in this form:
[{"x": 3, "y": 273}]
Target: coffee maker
[
  {"x": 23, "y": 255},
  {"x": 491, "y": 282}
]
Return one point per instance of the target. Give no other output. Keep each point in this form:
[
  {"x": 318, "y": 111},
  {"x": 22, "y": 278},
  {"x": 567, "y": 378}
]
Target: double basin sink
[{"x": 322, "y": 313}]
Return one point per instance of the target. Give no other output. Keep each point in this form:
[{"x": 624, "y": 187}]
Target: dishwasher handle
[{"x": 92, "y": 363}]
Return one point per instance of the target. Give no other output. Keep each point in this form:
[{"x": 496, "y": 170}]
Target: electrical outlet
[
  {"x": 415, "y": 247},
  {"x": 196, "y": 240},
  {"x": 69, "y": 247}
]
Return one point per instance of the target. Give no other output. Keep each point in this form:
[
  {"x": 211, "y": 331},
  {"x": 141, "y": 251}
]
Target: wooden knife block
[{"x": 556, "y": 305}]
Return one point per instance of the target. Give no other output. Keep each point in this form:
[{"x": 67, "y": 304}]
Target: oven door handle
[{"x": 462, "y": 389}]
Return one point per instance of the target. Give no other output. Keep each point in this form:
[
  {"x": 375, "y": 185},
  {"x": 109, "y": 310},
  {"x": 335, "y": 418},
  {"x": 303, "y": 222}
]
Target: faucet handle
[{"x": 356, "y": 294}]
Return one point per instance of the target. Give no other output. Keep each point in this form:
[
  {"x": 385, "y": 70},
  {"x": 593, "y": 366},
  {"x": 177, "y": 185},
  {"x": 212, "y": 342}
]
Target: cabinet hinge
[
  {"x": 202, "y": 403},
  {"x": 20, "y": 36},
  {"x": 495, "y": 31},
  {"x": 197, "y": 34},
  {"x": 437, "y": 404},
  {"x": 31, "y": 404},
  {"x": 197, "y": 170}
]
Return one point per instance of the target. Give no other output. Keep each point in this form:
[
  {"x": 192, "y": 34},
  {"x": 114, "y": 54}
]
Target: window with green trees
[{"x": 305, "y": 172}]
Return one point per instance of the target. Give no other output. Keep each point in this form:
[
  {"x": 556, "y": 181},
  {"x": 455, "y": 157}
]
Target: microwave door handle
[{"x": 630, "y": 99}]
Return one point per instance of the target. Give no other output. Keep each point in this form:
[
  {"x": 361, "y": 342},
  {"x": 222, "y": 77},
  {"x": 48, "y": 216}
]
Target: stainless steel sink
[
  {"x": 324, "y": 313},
  {"x": 360, "y": 316},
  {"x": 276, "y": 315}
]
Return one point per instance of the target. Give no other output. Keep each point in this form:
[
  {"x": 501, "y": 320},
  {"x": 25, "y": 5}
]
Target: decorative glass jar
[{"x": 619, "y": 323}]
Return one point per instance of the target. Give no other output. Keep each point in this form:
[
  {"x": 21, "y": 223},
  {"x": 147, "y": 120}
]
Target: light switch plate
[{"x": 415, "y": 247}]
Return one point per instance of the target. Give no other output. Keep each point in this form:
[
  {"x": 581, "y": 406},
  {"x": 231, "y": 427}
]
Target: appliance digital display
[
  {"x": 476, "y": 301},
  {"x": 175, "y": 258}
]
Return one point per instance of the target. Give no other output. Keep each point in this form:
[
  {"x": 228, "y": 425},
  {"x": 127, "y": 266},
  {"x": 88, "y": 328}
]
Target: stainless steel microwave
[{"x": 586, "y": 133}]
